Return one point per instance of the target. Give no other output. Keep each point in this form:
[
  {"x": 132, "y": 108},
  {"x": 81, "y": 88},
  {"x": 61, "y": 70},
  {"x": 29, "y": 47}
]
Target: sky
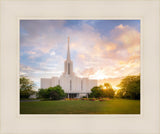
[{"x": 100, "y": 49}]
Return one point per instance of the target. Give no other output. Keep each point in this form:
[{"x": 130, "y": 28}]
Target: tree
[
  {"x": 108, "y": 90},
  {"x": 26, "y": 87},
  {"x": 53, "y": 93},
  {"x": 56, "y": 93},
  {"x": 130, "y": 87},
  {"x": 96, "y": 92},
  {"x": 104, "y": 91},
  {"x": 119, "y": 94},
  {"x": 26, "y": 84},
  {"x": 43, "y": 93}
]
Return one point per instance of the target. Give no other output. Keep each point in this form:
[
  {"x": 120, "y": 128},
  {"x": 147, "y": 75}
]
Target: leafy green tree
[
  {"x": 56, "y": 93},
  {"x": 26, "y": 87},
  {"x": 130, "y": 87},
  {"x": 53, "y": 93},
  {"x": 26, "y": 84},
  {"x": 43, "y": 93}
]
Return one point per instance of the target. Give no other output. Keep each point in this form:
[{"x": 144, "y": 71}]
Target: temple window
[
  {"x": 68, "y": 68},
  {"x": 81, "y": 85},
  {"x": 70, "y": 85}
]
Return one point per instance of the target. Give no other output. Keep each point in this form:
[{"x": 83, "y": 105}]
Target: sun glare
[
  {"x": 115, "y": 88},
  {"x": 104, "y": 87},
  {"x": 100, "y": 74}
]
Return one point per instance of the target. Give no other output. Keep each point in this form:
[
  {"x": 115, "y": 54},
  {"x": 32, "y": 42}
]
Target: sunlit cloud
[{"x": 99, "y": 49}]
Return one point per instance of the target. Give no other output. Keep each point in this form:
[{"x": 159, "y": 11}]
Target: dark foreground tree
[
  {"x": 52, "y": 93},
  {"x": 96, "y": 92},
  {"x": 43, "y": 93},
  {"x": 130, "y": 87},
  {"x": 102, "y": 91},
  {"x": 26, "y": 87}
]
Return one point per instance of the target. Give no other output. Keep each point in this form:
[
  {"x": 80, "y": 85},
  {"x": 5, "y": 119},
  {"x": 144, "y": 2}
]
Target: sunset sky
[{"x": 100, "y": 49}]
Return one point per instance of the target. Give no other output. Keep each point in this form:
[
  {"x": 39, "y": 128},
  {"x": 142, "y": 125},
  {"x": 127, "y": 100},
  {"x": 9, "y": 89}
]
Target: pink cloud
[{"x": 109, "y": 57}]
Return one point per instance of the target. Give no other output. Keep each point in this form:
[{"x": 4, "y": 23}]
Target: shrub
[
  {"x": 67, "y": 99},
  {"x": 101, "y": 99},
  {"x": 84, "y": 98},
  {"x": 92, "y": 99}
]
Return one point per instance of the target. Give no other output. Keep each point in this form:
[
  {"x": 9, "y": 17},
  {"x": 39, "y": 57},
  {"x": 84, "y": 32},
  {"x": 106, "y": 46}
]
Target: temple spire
[{"x": 68, "y": 52}]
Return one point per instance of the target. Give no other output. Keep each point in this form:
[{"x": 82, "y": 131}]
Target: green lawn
[{"x": 113, "y": 106}]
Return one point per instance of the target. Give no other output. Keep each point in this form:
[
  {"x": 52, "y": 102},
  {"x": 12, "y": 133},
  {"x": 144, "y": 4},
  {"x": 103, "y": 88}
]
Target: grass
[{"x": 113, "y": 106}]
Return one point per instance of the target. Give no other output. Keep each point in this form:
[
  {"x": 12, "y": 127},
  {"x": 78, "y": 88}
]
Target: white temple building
[{"x": 71, "y": 84}]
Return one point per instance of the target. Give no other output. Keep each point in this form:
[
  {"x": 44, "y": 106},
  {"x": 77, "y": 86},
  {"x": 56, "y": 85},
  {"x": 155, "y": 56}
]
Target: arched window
[
  {"x": 68, "y": 68},
  {"x": 70, "y": 85}
]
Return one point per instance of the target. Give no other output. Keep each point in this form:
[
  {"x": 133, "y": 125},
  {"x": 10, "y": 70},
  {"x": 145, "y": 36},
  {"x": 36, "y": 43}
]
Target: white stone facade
[{"x": 69, "y": 82}]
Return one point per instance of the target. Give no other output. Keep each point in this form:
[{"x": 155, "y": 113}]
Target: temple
[{"x": 74, "y": 86}]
